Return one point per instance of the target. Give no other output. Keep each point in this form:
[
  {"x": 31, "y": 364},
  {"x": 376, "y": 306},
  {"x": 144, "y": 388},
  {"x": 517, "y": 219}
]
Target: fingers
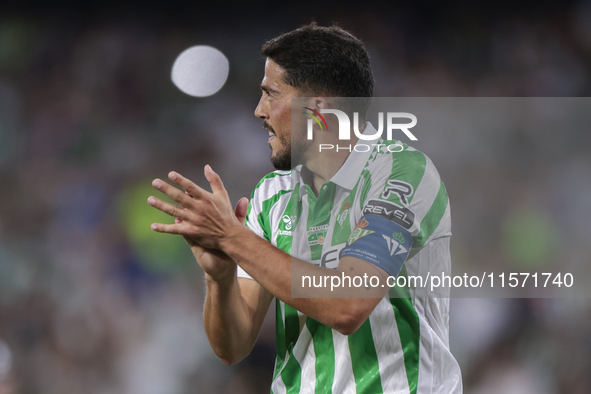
[
  {"x": 169, "y": 209},
  {"x": 241, "y": 209},
  {"x": 169, "y": 228},
  {"x": 172, "y": 192},
  {"x": 217, "y": 186},
  {"x": 190, "y": 188}
]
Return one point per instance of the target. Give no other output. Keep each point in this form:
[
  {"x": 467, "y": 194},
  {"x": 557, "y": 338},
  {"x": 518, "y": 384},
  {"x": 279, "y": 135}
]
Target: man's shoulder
[
  {"x": 276, "y": 182},
  {"x": 396, "y": 157},
  {"x": 388, "y": 150},
  {"x": 408, "y": 171}
]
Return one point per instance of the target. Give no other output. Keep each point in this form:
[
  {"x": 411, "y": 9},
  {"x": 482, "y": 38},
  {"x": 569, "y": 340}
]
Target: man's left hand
[{"x": 207, "y": 218}]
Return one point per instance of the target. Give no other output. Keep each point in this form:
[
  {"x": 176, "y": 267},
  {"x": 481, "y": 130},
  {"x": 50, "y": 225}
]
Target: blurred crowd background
[{"x": 92, "y": 301}]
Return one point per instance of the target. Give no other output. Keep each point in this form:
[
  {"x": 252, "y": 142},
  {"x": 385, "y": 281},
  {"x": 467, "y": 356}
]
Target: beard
[
  {"x": 288, "y": 156},
  {"x": 282, "y": 159}
]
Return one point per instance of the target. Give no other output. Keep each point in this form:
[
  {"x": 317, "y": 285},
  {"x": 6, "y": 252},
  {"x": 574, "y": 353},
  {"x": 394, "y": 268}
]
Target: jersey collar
[
  {"x": 347, "y": 176},
  {"x": 351, "y": 169}
]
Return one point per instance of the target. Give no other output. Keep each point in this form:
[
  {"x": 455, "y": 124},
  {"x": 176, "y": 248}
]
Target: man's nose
[{"x": 260, "y": 111}]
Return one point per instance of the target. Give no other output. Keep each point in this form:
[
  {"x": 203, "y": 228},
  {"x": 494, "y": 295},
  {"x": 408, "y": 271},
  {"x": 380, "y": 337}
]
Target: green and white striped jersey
[{"x": 403, "y": 346}]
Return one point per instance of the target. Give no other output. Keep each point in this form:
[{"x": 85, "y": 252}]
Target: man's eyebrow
[{"x": 265, "y": 88}]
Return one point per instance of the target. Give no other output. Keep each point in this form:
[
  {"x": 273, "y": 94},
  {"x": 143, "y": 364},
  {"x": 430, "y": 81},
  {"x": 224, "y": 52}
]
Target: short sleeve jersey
[{"x": 403, "y": 346}]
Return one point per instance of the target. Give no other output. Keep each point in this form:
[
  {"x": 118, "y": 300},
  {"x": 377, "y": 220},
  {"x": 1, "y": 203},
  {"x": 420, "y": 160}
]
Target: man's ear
[{"x": 321, "y": 103}]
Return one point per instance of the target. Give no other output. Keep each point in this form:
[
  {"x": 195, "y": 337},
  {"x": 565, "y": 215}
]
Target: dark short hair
[{"x": 327, "y": 61}]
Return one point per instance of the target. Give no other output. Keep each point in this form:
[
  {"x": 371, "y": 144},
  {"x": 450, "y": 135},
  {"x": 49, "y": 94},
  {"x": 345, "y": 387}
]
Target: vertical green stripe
[
  {"x": 407, "y": 321},
  {"x": 365, "y": 188},
  {"x": 407, "y": 166},
  {"x": 409, "y": 331},
  {"x": 342, "y": 227},
  {"x": 364, "y": 358},
  {"x": 315, "y": 250},
  {"x": 248, "y": 210},
  {"x": 292, "y": 210},
  {"x": 319, "y": 214},
  {"x": 324, "y": 352},
  {"x": 279, "y": 339},
  {"x": 432, "y": 218},
  {"x": 268, "y": 176},
  {"x": 292, "y": 375},
  {"x": 263, "y": 216},
  {"x": 292, "y": 372}
]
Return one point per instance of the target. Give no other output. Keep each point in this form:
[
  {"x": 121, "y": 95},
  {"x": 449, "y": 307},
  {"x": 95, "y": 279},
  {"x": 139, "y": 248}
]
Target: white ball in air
[{"x": 200, "y": 71}]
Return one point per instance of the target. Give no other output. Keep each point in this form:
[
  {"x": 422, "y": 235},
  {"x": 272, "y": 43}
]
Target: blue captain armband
[{"x": 379, "y": 241}]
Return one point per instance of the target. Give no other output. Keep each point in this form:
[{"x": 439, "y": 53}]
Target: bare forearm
[
  {"x": 227, "y": 320},
  {"x": 275, "y": 270}
]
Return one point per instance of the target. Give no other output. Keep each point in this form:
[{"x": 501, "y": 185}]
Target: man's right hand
[
  {"x": 234, "y": 308},
  {"x": 215, "y": 263}
]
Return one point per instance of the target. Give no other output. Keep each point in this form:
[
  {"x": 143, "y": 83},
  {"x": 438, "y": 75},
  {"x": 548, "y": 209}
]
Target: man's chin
[{"x": 281, "y": 163}]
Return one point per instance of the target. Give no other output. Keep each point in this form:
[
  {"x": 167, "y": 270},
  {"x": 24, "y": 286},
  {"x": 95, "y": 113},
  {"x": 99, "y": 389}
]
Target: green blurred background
[{"x": 92, "y": 301}]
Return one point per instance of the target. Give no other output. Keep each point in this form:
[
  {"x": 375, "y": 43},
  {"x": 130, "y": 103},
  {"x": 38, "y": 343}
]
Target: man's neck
[
  {"x": 322, "y": 166},
  {"x": 321, "y": 169}
]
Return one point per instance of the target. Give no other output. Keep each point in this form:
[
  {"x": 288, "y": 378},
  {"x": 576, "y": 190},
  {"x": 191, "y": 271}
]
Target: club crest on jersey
[
  {"x": 358, "y": 233},
  {"x": 341, "y": 217}
]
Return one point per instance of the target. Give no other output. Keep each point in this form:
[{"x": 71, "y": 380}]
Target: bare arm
[
  {"x": 345, "y": 310},
  {"x": 233, "y": 315},
  {"x": 235, "y": 308},
  {"x": 209, "y": 221}
]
